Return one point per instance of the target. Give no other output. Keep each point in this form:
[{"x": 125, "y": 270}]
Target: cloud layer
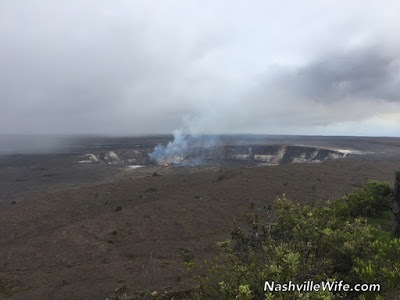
[{"x": 139, "y": 67}]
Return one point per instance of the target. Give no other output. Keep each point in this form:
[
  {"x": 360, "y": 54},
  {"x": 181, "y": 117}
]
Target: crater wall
[{"x": 218, "y": 155}]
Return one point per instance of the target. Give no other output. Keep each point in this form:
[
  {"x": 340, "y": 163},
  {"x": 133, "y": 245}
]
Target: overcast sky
[{"x": 138, "y": 67}]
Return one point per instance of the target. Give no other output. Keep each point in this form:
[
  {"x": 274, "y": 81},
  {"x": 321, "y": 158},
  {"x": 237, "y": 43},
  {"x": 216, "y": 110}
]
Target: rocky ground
[{"x": 132, "y": 231}]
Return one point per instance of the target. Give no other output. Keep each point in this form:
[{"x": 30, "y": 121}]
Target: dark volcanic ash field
[{"x": 91, "y": 217}]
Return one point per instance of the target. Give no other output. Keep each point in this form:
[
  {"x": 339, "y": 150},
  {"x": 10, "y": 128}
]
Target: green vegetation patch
[{"x": 340, "y": 240}]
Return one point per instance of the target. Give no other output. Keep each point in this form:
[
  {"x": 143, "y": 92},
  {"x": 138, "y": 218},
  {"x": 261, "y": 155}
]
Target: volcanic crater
[{"x": 195, "y": 155}]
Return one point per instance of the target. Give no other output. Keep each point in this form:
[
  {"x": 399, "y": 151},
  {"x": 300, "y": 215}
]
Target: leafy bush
[
  {"x": 300, "y": 243},
  {"x": 370, "y": 201}
]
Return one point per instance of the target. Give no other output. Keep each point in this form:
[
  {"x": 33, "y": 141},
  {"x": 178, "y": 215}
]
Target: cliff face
[
  {"x": 285, "y": 154},
  {"x": 222, "y": 154}
]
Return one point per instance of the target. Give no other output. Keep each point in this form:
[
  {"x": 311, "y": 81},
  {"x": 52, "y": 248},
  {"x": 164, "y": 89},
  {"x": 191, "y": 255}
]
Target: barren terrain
[{"x": 88, "y": 230}]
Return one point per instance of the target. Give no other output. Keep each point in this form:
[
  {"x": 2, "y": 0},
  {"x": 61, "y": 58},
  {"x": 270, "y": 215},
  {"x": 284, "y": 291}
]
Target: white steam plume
[{"x": 184, "y": 149}]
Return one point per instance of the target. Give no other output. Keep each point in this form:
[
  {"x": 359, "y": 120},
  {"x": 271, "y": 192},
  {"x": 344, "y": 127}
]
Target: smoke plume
[{"x": 184, "y": 149}]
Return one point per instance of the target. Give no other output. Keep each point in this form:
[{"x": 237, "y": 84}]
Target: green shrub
[
  {"x": 299, "y": 243},
  {"x": 370, "y": 201},
  {"x": 383, "y": 265}
]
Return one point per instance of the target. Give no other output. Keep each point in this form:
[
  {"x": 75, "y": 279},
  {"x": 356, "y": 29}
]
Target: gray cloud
[
  {"x": 367, "y": 73},
  {"x": 137, "y": 67}
]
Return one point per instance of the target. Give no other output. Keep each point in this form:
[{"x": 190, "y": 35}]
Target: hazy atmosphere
[
  {"x": 141, "y": 67},
  {"x": 181, "y": 149}
]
